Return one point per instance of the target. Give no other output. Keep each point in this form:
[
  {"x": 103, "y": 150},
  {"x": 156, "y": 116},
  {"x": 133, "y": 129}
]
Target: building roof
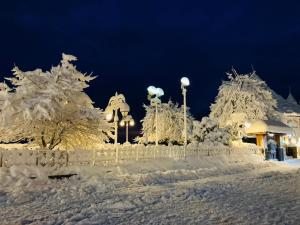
[
  {"x": 291, "y": 98},
  {"x": 288, "y": 105},
  {"x": 268, "y": 126},
  {"x": 284, "y": 105}
]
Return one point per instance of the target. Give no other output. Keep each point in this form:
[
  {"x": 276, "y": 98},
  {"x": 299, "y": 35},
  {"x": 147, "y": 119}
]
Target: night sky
[{"x": 133, "y": 44}]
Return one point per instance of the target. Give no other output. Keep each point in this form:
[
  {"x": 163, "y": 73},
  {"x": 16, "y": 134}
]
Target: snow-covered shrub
[
  {"x": 170, "y": 124},
  {"x": 242, "y": 97},
  {"x": 51, "y": 109},
  {"x": 208, "y": 131}
]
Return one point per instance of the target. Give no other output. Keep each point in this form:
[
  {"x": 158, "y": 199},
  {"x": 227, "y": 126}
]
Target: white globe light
[
  {"x": 185, "y": 81},
  {"x": 131, "y": 123},
  {"x": 122, "y": 123},
  {"x": 160, "y": 92},
  {"x": 152, "y": 90}
]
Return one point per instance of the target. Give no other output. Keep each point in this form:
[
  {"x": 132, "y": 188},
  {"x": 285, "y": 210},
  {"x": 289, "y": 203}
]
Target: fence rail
[{"x": 106, "y": 155}]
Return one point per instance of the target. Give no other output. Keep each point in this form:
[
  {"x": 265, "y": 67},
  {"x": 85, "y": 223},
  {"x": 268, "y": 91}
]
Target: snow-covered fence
[
  {"x": 48, "y": 158},
  {"x": 27, "y": 157},
  {"x": 107, "y": 154},
  {"x": 17, "y": 157}
]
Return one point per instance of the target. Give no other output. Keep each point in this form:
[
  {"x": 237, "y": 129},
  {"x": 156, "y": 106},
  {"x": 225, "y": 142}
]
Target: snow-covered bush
[
  {"x": 51, "y": 109},
  {"x": 243, "y": 97},
  {"x": 170, "y": 124},
  {"x": 208, "y": 131}
]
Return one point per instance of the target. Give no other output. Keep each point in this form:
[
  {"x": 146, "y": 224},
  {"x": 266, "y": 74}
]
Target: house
[
  {"x": 288, "y": 110},
  {"x": 264, "y": 130},
  {"x": 286, "y": 133}
]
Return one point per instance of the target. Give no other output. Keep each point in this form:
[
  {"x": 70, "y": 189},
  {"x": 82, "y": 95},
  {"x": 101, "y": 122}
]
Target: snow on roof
[
  {"x": 265, "y": 126},
  {"x": 291, "y": 99},
  {"x": 286, "y": 105}
]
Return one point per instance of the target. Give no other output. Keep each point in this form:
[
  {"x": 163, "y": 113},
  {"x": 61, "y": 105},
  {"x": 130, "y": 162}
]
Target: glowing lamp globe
[
  {"x": 131, "y": 123},
  {"x": 159, "y": 92},
  {"x": 122, "y": 123},
  {"x": 152, "y": 90},
  {"x": 185, "y": 81}
]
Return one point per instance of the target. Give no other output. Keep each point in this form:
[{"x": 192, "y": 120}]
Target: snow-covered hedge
[{"x": 208, "y": 131}]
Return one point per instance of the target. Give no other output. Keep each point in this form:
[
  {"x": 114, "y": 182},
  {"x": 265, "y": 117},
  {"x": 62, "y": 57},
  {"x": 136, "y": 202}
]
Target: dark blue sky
[{"x": 133, "y": 44}]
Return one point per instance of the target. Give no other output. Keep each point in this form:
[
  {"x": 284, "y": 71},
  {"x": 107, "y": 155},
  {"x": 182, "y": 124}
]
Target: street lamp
[
  {"x": 127, "y": 121},
  {"x": 116, "y": 103},
  {"x": 154, "y": 95},
  {"x": 185, "y": 82}
]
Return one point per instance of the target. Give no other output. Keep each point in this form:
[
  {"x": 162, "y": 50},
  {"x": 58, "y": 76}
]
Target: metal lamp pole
[
  {"x": 116, "y": 120},
  {"x": 153, "y": 95},
  {"x": 156, "y": 124},
  {"x": 127, "y": 121},
  {"x": 127, "y": 133},
  {"x": 115, "y": 104},
  {"x": 184, "y": 115},
  {"x": 184, "y": 83}
]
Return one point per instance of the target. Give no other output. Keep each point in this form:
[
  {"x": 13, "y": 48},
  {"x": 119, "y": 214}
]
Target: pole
[
  {"x": 116, "y": 132},
  {"x": 185, "y": 119},
  {"x": 116, "y": 119},
  {"x": 156, "y": 125},
  {"x": 127, "y": 142}
]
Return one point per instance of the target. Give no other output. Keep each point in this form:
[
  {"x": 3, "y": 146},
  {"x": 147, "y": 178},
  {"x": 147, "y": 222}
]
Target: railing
[{"x": 106, "y": 155}]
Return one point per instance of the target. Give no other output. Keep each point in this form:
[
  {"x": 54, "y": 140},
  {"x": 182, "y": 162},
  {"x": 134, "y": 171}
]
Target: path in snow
[{"x": 238, "y": 193}]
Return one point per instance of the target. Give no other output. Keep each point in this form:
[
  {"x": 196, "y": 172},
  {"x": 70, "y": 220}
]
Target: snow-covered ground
[{"x": 236, "y": 189}]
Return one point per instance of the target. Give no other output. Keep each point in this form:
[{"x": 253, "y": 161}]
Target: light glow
[
  {"x": 131, "y": 123},
  {"x": 155, "y": 91},
  {"x": 185, "y": 81},
  {"x": 152, "y": 90},
  {"x": 159, "y": 92},
  {"x": 293, "y": 141},
  {"x": 122, "y": 123}
]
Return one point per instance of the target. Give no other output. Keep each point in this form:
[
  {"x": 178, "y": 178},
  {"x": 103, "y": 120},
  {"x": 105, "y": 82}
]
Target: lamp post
[
  {"x": 154, "y": 95},
  {"x": 185, "y": 82},
  {"x": 116, "y": 103},
  {"x": 127, "y": 121}
]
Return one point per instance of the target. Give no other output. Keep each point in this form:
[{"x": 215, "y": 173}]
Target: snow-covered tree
[
  {"x": 208, "y": 131},
  {"x": 51, "y": 109},
  {"x": 170, "y": 124},
  {"x": 242, "y": 97}
]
